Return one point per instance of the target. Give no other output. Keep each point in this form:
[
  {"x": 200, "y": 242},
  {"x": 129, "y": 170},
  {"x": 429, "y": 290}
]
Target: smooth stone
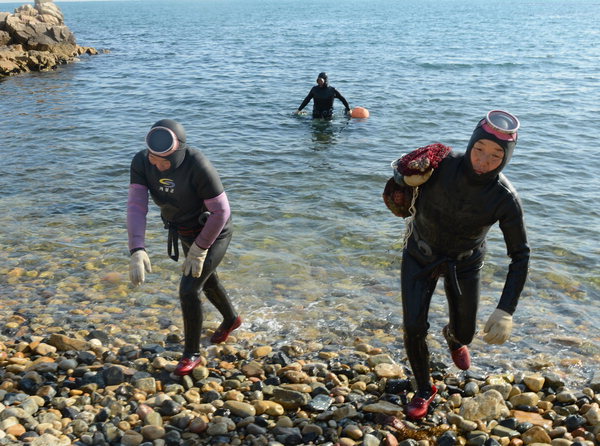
[
  {"x": 345, "y": 411},
  {"x": 386, "y": 370},
  {"x": 262, "y": 351},
  {"x": 566, "y": 397},
  {"x": 471, "y": 388},
  {"x": 536, "y": 434},
  {"x": 320, "y": 403},
  {"x": 477, "y": 440},
  {"x": 147, "y": 385},
  {"x": 593, "y": 415},
  {"x": 151, "y": 432},
  {"x": 153, "y": 419},
  {"x": 312, "y": 429},
  {"x": 254, "y": 429},
  {"x": 485, "y": 406},
  {"x": 561, "y": 442},
  {"x": 370, "y": 440},
  {"x": 525, "y": 399},
  {"x": 284, "y": 421},
  {"x": 533, "y": 418},
  {"x": 384, "y": 407},
  {"x": 270, "y": 408},
  {"x": 200, "y": 373},
  {"x": 217, "y": 429},
  {"x": 290, "y": 399},
  {"x": 352, "y": 431},
  {"x": 535, "y": 382},
  {"x": 198, "y": 425},
  {"x": 240, "y": 409},
  {"x": 374, "y": 360},
  {"x": 504, "y": 431}
]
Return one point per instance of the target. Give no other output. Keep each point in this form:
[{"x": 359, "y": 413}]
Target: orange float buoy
[{"x": 359, "y": 112}]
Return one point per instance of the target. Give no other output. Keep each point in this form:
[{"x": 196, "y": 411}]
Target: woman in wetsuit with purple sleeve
[{"x": 195, "y": 209}]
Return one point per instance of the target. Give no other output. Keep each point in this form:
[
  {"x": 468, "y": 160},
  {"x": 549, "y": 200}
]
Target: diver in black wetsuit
[
  {"x": 455, "y": 208},
  {"x": 195, "y": 209},
  {"x": 323, "y": 95}
]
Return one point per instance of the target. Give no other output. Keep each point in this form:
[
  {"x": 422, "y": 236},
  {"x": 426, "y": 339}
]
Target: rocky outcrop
[{"x": 35, "y": 38}]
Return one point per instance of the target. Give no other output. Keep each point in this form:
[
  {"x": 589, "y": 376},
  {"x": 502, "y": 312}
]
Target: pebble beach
[{"x": 114, "y": 386}]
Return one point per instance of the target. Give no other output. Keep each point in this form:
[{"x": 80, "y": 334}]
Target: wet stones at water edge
[
  {"x": 35, "y": 38},
  {"x": 91, "y": 388}
]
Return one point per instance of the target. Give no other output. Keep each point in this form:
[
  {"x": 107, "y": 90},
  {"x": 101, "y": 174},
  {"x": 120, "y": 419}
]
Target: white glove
[
  {"x": 139, "y": 264},
  {"x": 498, "y": 327},
  {"x": 194, "y": 260}
]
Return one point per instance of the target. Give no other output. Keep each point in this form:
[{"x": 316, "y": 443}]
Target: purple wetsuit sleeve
[
  {"x": 219, "y": 214},
  {"x": 137, "y": 208}
]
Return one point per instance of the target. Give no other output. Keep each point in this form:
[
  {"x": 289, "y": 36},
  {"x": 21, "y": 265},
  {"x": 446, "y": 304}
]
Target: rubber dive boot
[
  {"x": 222, "y": 333},
  {"x": 460, "y": 356},
  {"x": 418, "y": 406}
]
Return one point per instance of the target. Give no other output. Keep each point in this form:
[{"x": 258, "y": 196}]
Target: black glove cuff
[{"x": 131, "y": 251}]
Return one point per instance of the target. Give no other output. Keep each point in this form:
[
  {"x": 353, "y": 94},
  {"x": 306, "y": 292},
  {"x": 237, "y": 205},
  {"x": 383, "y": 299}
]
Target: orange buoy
[{"x": 359, "y": 112}]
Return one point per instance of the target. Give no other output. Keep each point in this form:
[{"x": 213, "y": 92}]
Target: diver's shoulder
[{"x": 505, "y": 184}]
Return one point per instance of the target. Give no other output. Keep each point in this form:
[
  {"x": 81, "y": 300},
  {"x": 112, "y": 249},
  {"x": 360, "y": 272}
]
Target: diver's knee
[
  {"x": 414, "y": 331},
  {"x": 187, "y": 290}
]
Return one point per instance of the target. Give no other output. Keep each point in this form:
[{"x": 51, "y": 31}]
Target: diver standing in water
[
  {"x": 323, "y": 96},
  {"x": 195, "y": 209},
  {"x": 454, "y": 209}
]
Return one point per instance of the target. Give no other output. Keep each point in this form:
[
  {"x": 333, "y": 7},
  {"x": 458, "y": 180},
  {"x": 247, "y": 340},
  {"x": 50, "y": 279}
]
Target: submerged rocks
[{"x": 35, "y": 38}]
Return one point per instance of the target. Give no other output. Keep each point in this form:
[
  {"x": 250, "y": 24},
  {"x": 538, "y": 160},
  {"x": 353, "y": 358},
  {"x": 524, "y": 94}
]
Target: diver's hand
[
  {"x": 139, "y": 264},
  {"x": 498, "y": 327},
  {"x": 194, "y": 260}
]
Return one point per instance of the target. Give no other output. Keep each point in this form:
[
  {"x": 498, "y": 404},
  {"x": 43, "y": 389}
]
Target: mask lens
[
  {"x": 160, "y": 140},
  {"x": 503, "y": 121}
]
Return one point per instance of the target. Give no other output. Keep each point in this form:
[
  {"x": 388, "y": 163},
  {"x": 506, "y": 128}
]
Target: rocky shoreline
[
  {"x": 35, "y": 38},
  {"x": 89, "y": 387}
]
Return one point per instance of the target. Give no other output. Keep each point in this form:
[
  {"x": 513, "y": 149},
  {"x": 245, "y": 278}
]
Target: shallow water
[{"x": 315, "y": 252}]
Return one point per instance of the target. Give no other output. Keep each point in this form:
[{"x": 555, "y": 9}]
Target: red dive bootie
[
  {"x": 460, "y": 356},
  {"x": 222, "y": 333},
  {"x": 419, "y": 405},
  {"x": 187, "y": 364}
]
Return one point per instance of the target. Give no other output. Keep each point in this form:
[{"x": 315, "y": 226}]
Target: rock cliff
[{"x": 35, "y": 38}]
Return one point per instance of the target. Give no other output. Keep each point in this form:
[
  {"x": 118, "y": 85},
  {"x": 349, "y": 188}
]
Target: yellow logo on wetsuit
[{"x": 166, "y": 185}]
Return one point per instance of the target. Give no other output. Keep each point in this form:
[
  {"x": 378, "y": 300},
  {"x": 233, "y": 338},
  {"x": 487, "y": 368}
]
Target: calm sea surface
[{"x": 315, "y": 253}]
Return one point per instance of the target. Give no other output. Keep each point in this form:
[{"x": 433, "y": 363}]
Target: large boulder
[
  {"x": 5, "y": 38},
  {"x": 48, "y": 8}
]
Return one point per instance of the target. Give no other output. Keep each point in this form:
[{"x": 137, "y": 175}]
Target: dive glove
[
  {"x": 194, "y": 260},
  {"x": 139, "y": 264},
  {"x": 498, "y": 327}
]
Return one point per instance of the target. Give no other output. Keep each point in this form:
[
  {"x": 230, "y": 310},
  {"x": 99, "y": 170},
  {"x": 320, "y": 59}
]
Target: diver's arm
[
  {"x": 343, "y": 99},
  {"x": 306, "y": 100},
  {"x": 219, "y": 214},
  {"x": 137, "y": 209},
  {"x": 515, "y": 237}
]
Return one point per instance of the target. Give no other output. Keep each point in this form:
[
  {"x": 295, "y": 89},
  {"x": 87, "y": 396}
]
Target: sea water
[{"x": 315, "y": 253}]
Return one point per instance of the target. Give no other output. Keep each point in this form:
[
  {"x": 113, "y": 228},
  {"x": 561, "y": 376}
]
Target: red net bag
[{"x": 397, "y": 198}]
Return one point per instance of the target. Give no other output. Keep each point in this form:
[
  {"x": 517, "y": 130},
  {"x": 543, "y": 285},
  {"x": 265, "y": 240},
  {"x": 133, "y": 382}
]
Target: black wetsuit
[
  {"x": 323, "y": 98},
  {"x": 454, "y": 211},
  {"x": 180, "y": 193}
]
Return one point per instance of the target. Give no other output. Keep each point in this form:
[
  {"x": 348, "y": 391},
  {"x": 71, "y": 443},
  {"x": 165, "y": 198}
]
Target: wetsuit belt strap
[
  {"x": 425, "y": 249},
  {"x": 432, "y": 269},
  {"x": 172, "y": 241}
]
